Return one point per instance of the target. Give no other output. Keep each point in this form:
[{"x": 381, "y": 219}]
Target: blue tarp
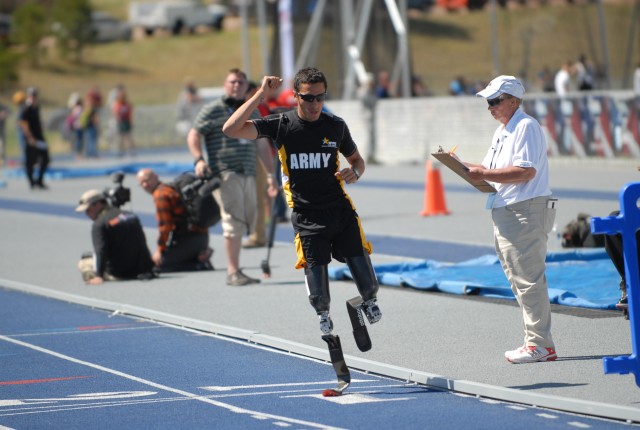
[{"x": 583, "y": 278}]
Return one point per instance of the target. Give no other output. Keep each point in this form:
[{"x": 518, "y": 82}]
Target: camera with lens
[
  {"x": 199, "y": 187},
  {"x": 118, "y": 195},
  {"x": 196, "y": 194}
]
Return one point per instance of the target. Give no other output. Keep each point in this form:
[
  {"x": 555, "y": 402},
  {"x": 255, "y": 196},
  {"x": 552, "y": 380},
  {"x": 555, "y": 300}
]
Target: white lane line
[
  {"x": 292, "y": 384},
  {"x": 76, "y": 331},
  {"x": 579, "y": 425},
  {"x": 517, "y": 408},
  {"x": 191, "y": 396},
  {"x": 351, "y": 399},
  {"x": 67, "y": 407}
]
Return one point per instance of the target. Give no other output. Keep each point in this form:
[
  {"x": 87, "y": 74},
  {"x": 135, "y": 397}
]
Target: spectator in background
[
  {"x": 90, "y": 122},
  {"x": 76, "y": 106},
  {"x": 37, "y": 149},
  {"x": 614, "y": 248},
  {"x": 383, "y": 85},
  {"x": 19, "y": 99},
  {"x": 562, "y": 81},
  {"x": 187, "y": 107},
  {"x": 546, "y": 80},
  {"x": 584, "y": 74},
  {"x": 636, "y": 81},
  {"x": 122, "y": 111},
  {"x": 111, "y": 130},
  {"x": 418, "y": 87},
  {"x": 5, "y": 111},
  {"x": 458, "y": 86},
  {"x": 96, "y": 96},
  {"x": 189, "y": 94}
]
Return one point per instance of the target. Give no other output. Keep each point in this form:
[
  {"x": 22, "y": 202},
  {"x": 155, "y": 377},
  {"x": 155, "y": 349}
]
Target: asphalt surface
[{"x": 432, "y": 338}]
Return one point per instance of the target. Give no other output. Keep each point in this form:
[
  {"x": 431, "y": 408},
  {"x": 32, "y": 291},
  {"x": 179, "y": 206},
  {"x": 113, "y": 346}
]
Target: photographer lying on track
[
  {"x": 182, "y": 246},
  {"x": 119, "y": 243}
]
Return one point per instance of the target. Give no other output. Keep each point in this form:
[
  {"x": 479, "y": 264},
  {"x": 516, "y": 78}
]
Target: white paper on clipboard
[{"x": 461, "y": 170}]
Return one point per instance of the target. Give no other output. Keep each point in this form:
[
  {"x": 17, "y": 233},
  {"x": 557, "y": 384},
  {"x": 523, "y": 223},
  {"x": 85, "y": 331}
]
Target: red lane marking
[
  {"x": 101, "y": 327},
  {"x": 38, "y": 381}
]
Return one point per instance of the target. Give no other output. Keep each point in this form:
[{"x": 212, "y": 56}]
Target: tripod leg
[{"x": 266, "y": 269}]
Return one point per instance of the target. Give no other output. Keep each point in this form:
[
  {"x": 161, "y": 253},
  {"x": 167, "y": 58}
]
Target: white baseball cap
[{"x": 503, "y": 84}]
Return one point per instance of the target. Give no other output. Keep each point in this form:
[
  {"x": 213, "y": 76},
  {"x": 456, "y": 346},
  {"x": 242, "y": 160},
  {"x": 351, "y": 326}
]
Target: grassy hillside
[{"x": 442, "y": 45}]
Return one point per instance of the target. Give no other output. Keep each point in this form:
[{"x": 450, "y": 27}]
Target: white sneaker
[{"x": 530, "y": 354}]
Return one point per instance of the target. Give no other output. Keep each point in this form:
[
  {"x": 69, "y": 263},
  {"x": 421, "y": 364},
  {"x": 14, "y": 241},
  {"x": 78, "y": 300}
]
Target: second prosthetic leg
[
  {"x": 365, "y": 278},
  {"x": 367, "y": 283}
]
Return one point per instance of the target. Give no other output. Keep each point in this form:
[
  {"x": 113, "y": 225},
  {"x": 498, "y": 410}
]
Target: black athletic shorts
[{"x": 327, "y": 233}]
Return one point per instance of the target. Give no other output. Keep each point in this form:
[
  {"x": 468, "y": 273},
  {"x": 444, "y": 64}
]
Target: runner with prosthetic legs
[{"x": 309, "y": 143}]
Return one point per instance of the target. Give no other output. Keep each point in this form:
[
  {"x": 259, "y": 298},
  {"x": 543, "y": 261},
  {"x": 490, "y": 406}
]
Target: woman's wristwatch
[{"x": 199, "y": 159}]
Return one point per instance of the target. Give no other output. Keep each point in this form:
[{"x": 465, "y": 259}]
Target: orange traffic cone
[{"x": 434, "y": 203}]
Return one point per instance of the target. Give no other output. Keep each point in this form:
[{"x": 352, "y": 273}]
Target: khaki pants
[
  {"x": 88, "y": 270},
  {"x": 520, "y": 234},
  {"x": 237, "y": 200}
]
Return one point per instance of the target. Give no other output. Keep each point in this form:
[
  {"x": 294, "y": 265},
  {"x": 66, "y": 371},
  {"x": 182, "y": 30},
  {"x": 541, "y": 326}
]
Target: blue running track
[{"x": 66, "y": 366}]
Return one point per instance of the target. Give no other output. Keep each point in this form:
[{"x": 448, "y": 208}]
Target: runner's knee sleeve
[
  {"x": 364, "y": 276},
  {"x": 317, "y": 280}
]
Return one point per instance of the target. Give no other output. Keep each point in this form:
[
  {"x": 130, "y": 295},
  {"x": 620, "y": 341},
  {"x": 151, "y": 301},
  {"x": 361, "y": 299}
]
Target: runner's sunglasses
[{"x": 310, "y": 98}]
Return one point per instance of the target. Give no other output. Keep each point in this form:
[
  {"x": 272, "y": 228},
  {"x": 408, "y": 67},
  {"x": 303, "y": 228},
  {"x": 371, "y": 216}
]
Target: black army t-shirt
[{"x": 309, "y": 153}]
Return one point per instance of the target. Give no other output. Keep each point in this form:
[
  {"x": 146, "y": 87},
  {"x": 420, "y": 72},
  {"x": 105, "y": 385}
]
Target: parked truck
[{"x": 175, "y": 15}]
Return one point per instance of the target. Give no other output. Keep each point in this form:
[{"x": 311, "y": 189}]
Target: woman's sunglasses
[{"x": 309, "y": 98}]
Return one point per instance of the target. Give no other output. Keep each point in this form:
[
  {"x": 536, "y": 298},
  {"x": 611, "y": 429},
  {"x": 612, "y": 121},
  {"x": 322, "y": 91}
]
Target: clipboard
[{"x": 461, "y": 170}]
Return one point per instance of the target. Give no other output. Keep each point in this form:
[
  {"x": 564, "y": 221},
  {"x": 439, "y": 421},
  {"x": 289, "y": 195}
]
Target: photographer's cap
[
  {"x": 88, "y": 198},
  {"x": 503, "y": 84}
]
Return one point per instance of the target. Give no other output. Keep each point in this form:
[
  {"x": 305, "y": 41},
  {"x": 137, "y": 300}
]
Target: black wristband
[{"x": 199, "y": 159}]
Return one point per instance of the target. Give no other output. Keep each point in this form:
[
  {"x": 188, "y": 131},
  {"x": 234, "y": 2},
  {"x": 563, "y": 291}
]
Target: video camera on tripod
[{"x": 118, "y": 195}]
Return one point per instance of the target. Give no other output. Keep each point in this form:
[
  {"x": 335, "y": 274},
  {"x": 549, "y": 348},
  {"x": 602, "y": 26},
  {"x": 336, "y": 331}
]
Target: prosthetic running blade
[
  {"x": 339, "y": 365},
  {"x": 360, "y": 332}
]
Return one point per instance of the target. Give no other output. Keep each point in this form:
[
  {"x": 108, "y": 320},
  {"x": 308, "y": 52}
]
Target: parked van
[{"x": 175, "y": 15}]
